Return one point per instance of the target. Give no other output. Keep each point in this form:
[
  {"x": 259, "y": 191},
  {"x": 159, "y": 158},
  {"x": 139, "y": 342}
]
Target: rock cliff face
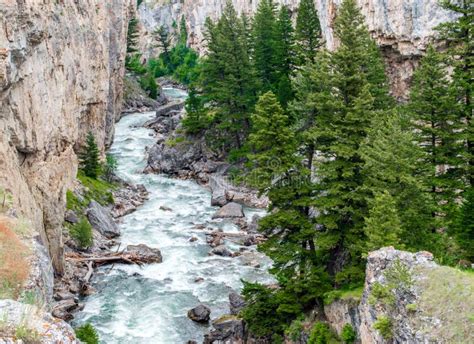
[
  {"x": 402, "y": 28},
  {"x": 61, "y": 70}
]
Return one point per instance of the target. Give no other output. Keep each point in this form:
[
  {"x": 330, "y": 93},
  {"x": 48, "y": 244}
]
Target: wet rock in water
[
  {"x": 250, "y": 240},
  {"x": 63, "y": 295},
  {"x": 200, "y": 314},
  {"x": 227, "y": 329},
  {"x": 218, "y": 192},
  {"x": 222, "y": 251},
  {"x": 198, "y": 280},
  {"x": 230, "y": 210},
  {"x": 63, "y": 309},
  {"x": 236, "y": 303},
  {"x": 191, "y": 342},
  {"x": 193, "y": 239},
  {"x": 102, "y": 221},
  {"x": 173, "y": 158},
  {"x": 71, "y": 217},
  {"x": 165, "y": 208},
  {"x": 146, "y": 254}
]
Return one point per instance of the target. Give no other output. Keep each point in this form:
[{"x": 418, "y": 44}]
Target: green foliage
[
  {"x": 308, "y": 32},
  {"x": 398, "y": 276},
  {"x": 384, "y": 326},
  {"x": 89, "y": 158},
  {"x": 196, "y": 119},
  {"x": 321, "y": 334},
  {"x": 295, "y": 329},
  {"x": 81, "y": 232},
  {"x": 133, "y": 63},
  {"x": 27, "y": 335},
  {"x": 343, "y": 294},
  {"x": 464, "y": 228},
  {"x": 381, "y": 294},
  {"x": 97, "y": 189},
  {"x": 411, "y": 308},
  {"x": 348, "y": 334},
  {"x": 132, "y": 36},
  {"x": 87, "y": 334},
  {"x": 148, "y": 83},
  {"x": 109, "y": 168}
]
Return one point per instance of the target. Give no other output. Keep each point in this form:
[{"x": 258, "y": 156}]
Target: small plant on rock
[
  {"x": 384, "y": 326},
  {"x": 82, "y": 233},
  {"x": 87, "y": 334},
  {"x": 348, "y": 335}
]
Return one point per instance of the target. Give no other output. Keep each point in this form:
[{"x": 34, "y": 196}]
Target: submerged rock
[
  {"x": 201, "y": 314},
  {"x": 230, "y": 210},
  {"x": 146, "y": 254},
  {"x": 102, "y": 221}
]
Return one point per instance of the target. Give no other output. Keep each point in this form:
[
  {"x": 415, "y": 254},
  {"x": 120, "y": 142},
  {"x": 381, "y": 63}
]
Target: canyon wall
[
  {"x": 402, "y": 28},
  {"x": 61, "y": 72}
]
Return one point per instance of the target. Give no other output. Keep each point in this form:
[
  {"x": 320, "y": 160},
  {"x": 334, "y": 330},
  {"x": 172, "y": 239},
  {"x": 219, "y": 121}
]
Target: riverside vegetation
[{"x": 347, "y": 169}]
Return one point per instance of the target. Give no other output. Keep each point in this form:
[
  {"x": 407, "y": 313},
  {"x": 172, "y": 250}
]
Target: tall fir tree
[
  {"x": 439, "y": 130},
  {"x": 132, "y": 36},
  {"x": 89, "y": 158},
  {"x": 458, "y": 35},
  {"x": 264, "y": 28},
  {"x": 394, "y": 164},
  {"x": 183, "y": 33},
  {"x": 163, "y": 39},
  {"x": 464, "y": 228},
  {"x": 284, "y": 56},
  {"x": 308, "y": 32},
  {"x": 228, "y": 80},
  {"x": 352, "y": 87}
]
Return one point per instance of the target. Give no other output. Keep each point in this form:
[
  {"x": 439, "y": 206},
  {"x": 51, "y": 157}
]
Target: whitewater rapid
[{"x": 149, "y": 305}]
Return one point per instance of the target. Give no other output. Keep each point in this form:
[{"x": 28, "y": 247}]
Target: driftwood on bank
[{"x": 107, "y": 258}]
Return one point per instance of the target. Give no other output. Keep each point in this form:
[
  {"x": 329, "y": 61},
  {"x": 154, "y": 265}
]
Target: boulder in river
[
  {"x": 218, "y": 191},
  {"x": 101, "y": 220},
  {"x": 236, "y": 303},
  {"x": 221, "y": 250},
  {"x": 227, "y": 329},
  {"x": 200, "y": 314},
  {"x": 230, "y": 210},
  {"x": 146, "y": 254}
]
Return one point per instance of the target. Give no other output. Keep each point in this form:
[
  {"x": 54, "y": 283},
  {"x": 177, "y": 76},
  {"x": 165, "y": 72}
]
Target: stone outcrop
[
  {"x": 200, "y": 314},
  {"x": 402, "y": 28},
  {"x": 230, "y": 210},
  {"x": 61, "y": 70},
  {"x": 102, "y": 221},
  {"x": 36, "y": 325}
]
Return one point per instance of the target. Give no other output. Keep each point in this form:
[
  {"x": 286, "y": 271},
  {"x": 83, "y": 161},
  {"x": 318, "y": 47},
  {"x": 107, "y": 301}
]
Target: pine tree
[
  {"x": 393, "y": 164},
  {"x": 352, "y": 86},
  {"x": 132, "y": 36},
  {"x": 90, "y": 157},
  {"x": 162, "y": 37},
  {"x": 228, "y": 80},
  {"x": 284, "y": 56},
  {"x": 195, "y": 120},
  {"x": 308, "y": 32},
  {"x": 272, "y": 141},
  {"x": 264, "y": 44},
  {"x": 458, "y": 35},
  {"x": 183, "y": 33},
  {"x": 438, "y": 129}
]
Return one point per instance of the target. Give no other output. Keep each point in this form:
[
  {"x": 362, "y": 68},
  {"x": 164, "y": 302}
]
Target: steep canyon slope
[
  {"x": 402, "y": 28},
  {"x": 61, "y": 71}
]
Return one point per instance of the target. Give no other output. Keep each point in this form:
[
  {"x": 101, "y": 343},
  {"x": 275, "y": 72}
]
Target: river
[{"x": 149, "y": 305}]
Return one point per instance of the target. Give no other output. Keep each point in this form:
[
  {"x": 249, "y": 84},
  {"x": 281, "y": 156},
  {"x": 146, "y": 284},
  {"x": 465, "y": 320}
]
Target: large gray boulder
[
  {"x": 230, "y": 211},
  {"x": 170, "y": 158},
  {"x": 221, "y": 250},
  {"x": 236, "y": 303},
  {"x": 102, "y": 221},
  {"x": 200, "y": 314},
  {"x": 218, "y": 191},
  {"x": 146, "y": 254},
  {"x": 227, "y": 329}
]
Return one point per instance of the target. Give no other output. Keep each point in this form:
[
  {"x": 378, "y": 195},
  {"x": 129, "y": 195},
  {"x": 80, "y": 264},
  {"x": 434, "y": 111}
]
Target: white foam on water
[{"x": 149, "y": 304}]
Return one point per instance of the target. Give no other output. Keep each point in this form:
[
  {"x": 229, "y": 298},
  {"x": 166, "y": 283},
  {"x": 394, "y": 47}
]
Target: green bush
[
  {"x": 294, "y": 330},
  {"x": 109, "y": 168},
  {"x": 384, "y": 326},
  {"x": 81, "y": 232},
  {"x": 320, "y": 334},
  {"x": 87, "y": 334},
  {"x": 382, "y": 294},
  {"x": 348, "y": 335}
]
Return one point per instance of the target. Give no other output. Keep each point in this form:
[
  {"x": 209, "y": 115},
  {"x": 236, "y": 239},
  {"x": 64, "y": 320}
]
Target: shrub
[
  {"x": 348, "y": 335},
  {"x": 411, "y": 308},
  {"x": 384, "y": 326},
  {"x": 294, "y": 330},
  {"x": 87, "y": 334},
  {"x": 382, "y": 294},
  {"x": 14, "y": 267},
  {"x": 320, "y": 334},
  {"x": 110, "y": 167},
  {"x": 27, "y": 335},
  {"x": 81, "y": 232}
]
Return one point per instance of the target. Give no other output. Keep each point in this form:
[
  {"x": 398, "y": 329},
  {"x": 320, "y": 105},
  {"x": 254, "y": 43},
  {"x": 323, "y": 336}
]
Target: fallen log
[{"x": 109, "y": 258}]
